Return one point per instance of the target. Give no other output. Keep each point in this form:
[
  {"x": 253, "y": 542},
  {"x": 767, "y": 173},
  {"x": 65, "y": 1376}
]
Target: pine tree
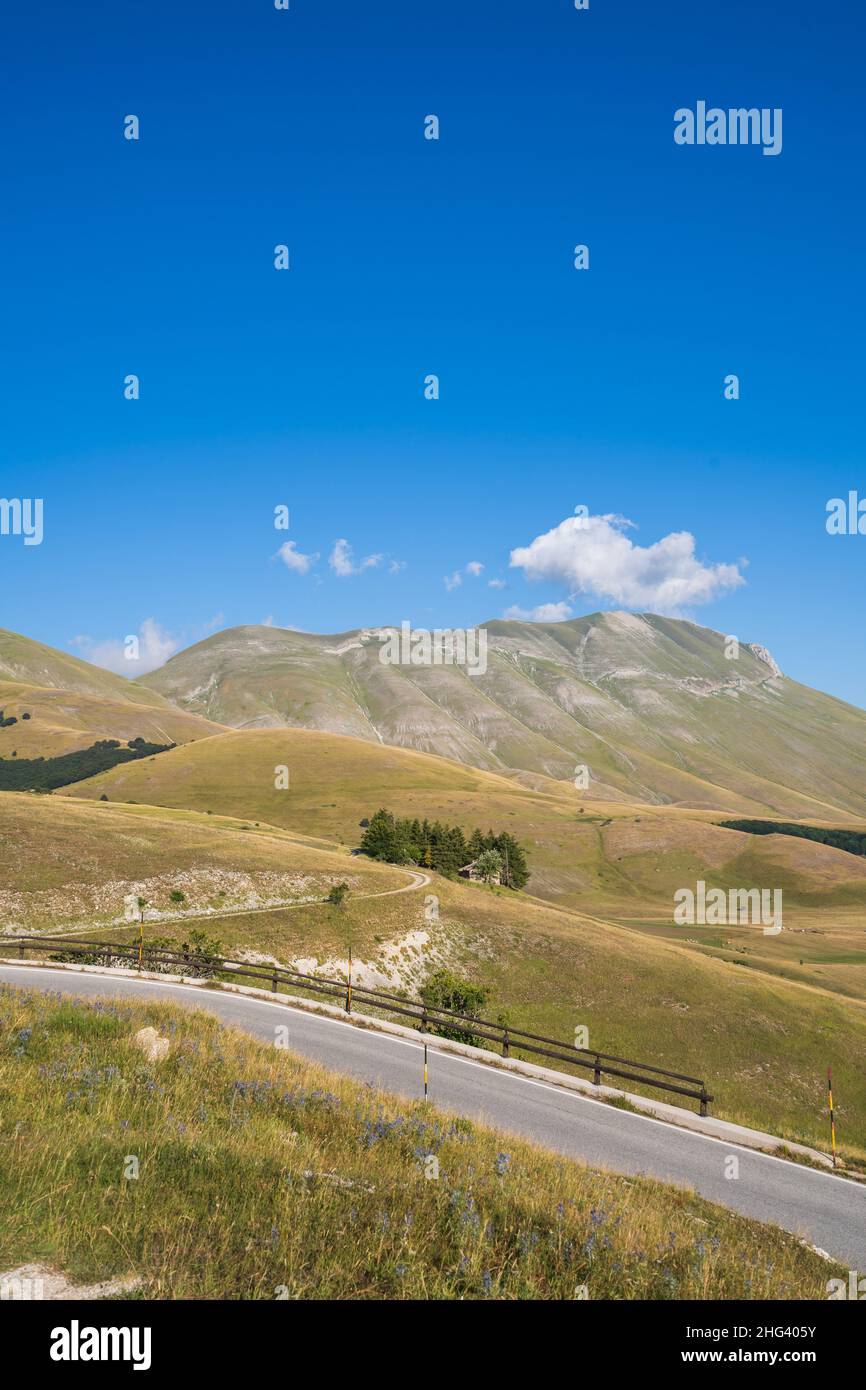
[
  {"x": 380, "y": 838},
  {"x": 515, "y": 873}
]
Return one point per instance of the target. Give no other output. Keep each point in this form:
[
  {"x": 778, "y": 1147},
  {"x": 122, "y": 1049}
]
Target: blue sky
[{"x": 558, "y": 387}]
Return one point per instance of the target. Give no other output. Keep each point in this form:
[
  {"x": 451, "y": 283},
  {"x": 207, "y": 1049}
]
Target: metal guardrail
[{"x": 429, "y": 1017}]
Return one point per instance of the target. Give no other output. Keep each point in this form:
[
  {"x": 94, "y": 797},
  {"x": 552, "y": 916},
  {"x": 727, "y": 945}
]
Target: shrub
[{"x": 445, "y": 990}]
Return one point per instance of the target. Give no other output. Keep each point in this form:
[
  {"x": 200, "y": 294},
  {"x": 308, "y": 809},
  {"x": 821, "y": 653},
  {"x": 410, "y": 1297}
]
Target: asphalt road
[{"x": 828, "y": 1211}]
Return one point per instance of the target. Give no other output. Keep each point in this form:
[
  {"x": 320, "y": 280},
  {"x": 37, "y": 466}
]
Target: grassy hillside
[
  {"x": 68, "y": 862},
  {"x": 652, "y": 706},
  {"x": 260, "y": 1176},
  {"x": 64, "y": 721},
  {"x": 32, "y": 663},
  {"x": 620, "y": 860},
  {"x": 759, "y": 1026}
]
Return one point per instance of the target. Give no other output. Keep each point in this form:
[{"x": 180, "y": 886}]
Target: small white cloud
[
  {"x": 496, "y": 583},
  {"x": 396, "y": 566},
  {"x": 216, "y": 621},
  {"x": 543, "y": 613},
  {"x": 155, "y": 646},
  {"x": 294, "y": 559},
  {"x": 590, "y": 554},
  {"x": 453, "y": 581},
  {"x": 342, "y": 562},
  {"x": 268, "y": 621},
  {"x": 474, "y": 567}
]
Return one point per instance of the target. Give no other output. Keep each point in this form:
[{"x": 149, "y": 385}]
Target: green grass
[{"x": 261, "y": 1176}]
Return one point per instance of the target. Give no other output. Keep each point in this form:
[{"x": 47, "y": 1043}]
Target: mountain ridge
[
  {"x": 627, "y": 707},
  {"x": 645, "y": 704}
]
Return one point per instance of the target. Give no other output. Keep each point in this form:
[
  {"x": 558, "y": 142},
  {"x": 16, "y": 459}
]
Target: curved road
[
  {"x": 419, "y": 880},
  {"x": 826, "y": 1210}
]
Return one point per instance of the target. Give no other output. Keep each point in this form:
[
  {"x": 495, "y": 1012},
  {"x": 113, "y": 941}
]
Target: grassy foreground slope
[{"x": 261, "y": 1176}]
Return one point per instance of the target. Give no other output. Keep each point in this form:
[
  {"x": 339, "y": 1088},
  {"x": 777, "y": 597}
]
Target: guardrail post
[
  {"x": 21, "y": 950},
  {"x": 505, "y": 1043},
  {"x": 705, "y": 1102},
  {"x": 596, "y": 1075},
  {"x": 424, "y": 1019}
]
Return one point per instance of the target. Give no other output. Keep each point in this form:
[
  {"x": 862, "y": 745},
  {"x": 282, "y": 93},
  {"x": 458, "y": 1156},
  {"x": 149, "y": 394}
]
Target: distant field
[{"x": 261, "y": 1176}]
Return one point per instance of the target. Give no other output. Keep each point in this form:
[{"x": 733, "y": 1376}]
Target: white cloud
[
  {"x": 496, "y": 583},
  {"x": 592, "y": 555},
  {"x": 544, "y": 613},
  {"x": 294, "y": 559},
  {"x": 453, "y": 581},
  {"x": 342, "y": 560},
  {"x": 396, "y": 566},
  {"x": 155, "y": 646}
]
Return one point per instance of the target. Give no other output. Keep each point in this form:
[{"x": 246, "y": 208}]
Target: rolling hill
[
  {"x": 71, "y": 704},
  {"x": 32, "y": 663},
  {"x": 625, "y": 860},
  {"x": 63, "y": 721},
  {"x": 651, "y": 706}
]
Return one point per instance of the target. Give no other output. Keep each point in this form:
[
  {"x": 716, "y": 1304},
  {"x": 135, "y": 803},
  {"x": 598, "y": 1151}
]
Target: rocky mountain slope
[{"x": 655, "y": 709}]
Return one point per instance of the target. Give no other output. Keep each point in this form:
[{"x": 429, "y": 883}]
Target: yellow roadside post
[{"x": 832, "y": 1119}]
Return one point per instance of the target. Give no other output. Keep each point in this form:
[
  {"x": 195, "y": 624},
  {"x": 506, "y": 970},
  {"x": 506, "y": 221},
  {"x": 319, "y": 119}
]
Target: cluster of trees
[
  {"x": 6, "y": 721},
  {"x": 444, "y": 848},
  {"x": 854, "y": 841},
  {"x": 45, "y": 774}
]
